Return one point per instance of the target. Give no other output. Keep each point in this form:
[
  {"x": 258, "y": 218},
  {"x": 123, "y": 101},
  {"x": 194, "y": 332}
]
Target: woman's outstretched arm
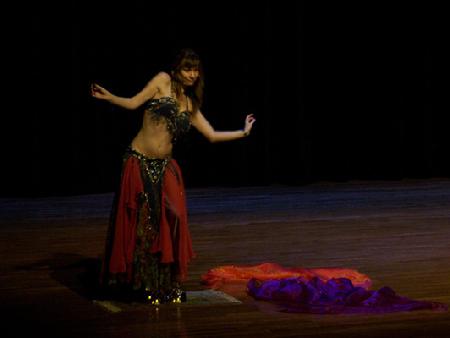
[
  {"x": 161, "y": 80},
  {"x": 205, "y": 128}
]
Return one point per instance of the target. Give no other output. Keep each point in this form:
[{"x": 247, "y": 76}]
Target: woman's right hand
[
  {"x": 99, "y": 92},
  {"x": 249, "y": 120}
]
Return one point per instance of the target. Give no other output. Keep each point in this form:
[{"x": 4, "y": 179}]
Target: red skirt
[{"x": 149, "y": 220}]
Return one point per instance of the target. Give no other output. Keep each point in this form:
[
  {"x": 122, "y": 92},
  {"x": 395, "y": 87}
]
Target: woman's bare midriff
[{"x": 153, "y": 140}]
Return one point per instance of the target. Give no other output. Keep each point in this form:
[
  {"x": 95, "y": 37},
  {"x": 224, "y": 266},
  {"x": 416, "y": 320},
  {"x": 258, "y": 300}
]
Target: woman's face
[{"x": 189, "y": 75}]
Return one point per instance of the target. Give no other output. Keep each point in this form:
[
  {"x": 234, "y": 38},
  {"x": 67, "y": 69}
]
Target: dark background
[{"x": 340, "y": 92}]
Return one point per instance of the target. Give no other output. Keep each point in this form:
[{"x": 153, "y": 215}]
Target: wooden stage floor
[{"x": 398, "y": 233}]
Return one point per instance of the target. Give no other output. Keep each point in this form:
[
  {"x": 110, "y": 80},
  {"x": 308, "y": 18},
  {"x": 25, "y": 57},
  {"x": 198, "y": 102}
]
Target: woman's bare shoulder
[
  {"x": 161, "y": 77},
  {"x": 158, "y": 83}
]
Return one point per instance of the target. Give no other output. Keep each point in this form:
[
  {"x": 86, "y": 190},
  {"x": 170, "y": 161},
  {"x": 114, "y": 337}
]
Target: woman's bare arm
[
  {"x": 155, "y": 85},
  {"x": 205, "y": 128}
]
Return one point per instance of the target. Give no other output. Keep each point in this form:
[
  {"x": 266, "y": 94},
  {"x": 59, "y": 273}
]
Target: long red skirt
[{"x": 148, "y": 244}]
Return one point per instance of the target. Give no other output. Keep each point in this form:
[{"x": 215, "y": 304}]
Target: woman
[{"x": 148, "y": 244}]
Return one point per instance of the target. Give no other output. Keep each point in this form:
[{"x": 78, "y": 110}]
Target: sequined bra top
[{"x": 178, "y": 123}]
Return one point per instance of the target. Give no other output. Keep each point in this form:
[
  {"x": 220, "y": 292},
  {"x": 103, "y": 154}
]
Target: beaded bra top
[{"x": 178, "y": 123}]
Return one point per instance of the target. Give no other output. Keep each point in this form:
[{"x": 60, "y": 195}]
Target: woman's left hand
[{"x": 249, "y": 120}]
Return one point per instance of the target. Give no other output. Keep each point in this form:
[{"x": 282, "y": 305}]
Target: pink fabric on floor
[{"x": 216, "y": 277}]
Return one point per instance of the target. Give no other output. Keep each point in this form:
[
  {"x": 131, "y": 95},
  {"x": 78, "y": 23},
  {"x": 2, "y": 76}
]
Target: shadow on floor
[{"x": 78, "y": 273}]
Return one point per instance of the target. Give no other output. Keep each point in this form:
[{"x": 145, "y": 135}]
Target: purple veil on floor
[{"x": 323, "y": 290}]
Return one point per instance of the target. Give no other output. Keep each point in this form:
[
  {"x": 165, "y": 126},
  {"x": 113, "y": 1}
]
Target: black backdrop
[{"x": 340, "y": 92}]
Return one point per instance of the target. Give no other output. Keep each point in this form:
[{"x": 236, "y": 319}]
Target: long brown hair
[{"x": 187, "y": 58}]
